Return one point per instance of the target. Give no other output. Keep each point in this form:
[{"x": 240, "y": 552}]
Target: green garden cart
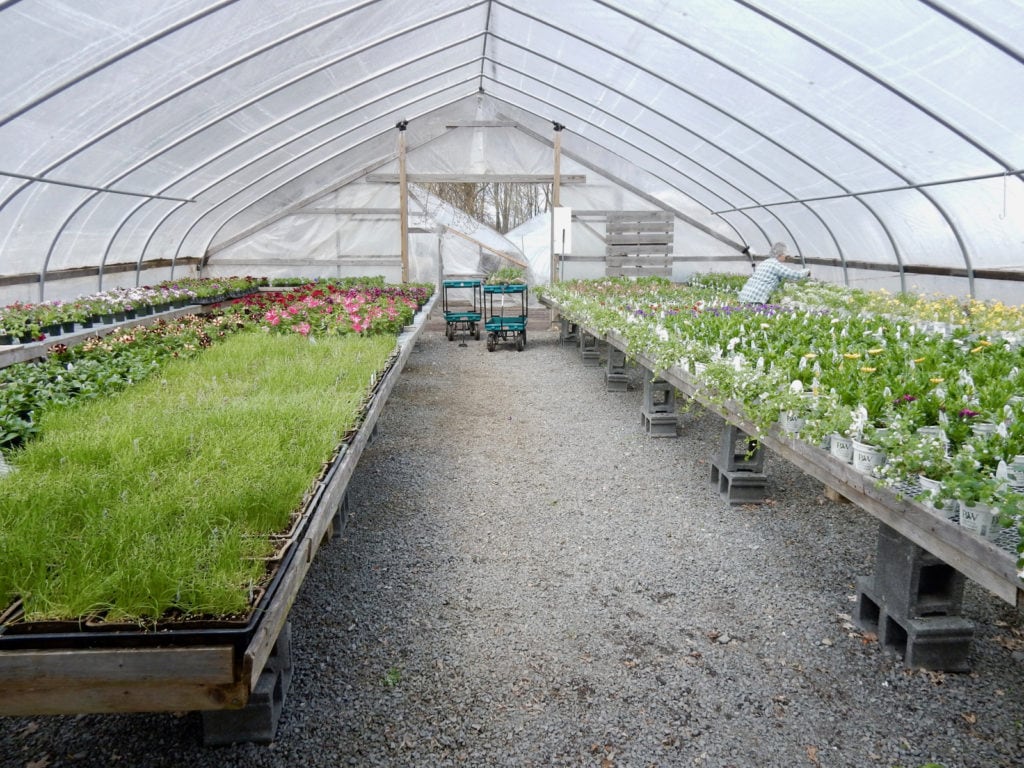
[
  {"x": 462, "y": 319},
  {"x": 508, "y": 321}
]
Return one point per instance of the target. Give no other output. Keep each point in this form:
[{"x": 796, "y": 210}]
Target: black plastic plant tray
[{"x": 82, "y": 634}]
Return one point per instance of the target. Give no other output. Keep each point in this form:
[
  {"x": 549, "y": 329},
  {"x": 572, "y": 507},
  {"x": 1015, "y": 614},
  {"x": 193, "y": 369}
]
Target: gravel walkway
[{"x": 528, "y": 580}]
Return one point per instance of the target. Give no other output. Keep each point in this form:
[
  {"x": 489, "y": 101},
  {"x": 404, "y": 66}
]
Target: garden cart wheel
[{"x": 492, "y": 342}]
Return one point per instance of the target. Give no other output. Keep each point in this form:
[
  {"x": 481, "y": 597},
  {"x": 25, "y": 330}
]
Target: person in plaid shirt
[{"x": 768, "y": 275}]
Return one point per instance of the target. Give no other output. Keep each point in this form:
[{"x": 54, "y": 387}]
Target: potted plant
[
  {"x": 921, "y": 457},
  {"x": 986, "y": 502},
  {"x": 828, "y": 425}
]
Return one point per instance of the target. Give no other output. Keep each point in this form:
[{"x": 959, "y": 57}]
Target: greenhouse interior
[{"x": 508, "y": 383}]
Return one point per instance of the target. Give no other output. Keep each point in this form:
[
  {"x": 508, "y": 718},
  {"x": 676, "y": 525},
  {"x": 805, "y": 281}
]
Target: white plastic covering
[{"x": 881, "y": 139}]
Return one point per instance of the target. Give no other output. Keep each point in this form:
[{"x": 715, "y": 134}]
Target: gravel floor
[{"x": 529, "y": 580}]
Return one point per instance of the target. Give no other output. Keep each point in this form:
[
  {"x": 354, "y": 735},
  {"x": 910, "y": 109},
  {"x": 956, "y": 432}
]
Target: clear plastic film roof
[{"x": 881, "y": 140}]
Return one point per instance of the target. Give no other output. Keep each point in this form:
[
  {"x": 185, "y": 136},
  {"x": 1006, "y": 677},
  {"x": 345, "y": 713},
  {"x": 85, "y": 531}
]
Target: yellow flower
[
  {"x": 868, "y": 369},
  {"x": 936, "y": 380},
  {"x": 977, "y": 348},
  {"x": 851, "y": 355},
  {"x": 919, "y": 359},
  {"x": 810, "y": 356},
  {"x": 876, "y": 351}
]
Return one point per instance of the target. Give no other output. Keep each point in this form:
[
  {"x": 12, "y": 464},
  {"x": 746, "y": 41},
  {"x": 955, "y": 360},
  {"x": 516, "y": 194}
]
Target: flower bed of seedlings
[
  {"x": 153, "y": 481},
  {"x": 936, "y": 383}
]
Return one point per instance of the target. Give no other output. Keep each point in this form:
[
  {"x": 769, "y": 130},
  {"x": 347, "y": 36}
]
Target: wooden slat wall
[{"x": 638, "y": 243}]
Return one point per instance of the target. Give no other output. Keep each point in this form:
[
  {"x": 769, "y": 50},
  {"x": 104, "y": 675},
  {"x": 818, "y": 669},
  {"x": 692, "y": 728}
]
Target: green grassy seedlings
[{"x": 162, "y": 498}]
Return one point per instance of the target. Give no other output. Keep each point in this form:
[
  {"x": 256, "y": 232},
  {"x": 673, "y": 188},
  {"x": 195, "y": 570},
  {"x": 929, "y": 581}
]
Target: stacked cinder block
[
  {"x": 738, "y": 470},
  {"x": 912, "y": 602}
]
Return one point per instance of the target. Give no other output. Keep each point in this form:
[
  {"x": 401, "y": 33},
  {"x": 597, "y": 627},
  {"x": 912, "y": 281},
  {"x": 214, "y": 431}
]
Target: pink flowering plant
[{"x": 320, "y": 309}]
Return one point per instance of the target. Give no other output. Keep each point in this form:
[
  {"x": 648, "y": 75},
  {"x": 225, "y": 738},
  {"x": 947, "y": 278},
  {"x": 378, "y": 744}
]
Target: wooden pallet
[{"x": 639, "y": 243}]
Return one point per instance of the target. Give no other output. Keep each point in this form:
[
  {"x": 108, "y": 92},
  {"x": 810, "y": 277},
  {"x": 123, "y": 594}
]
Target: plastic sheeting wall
[{"x": 882, "y": 133}]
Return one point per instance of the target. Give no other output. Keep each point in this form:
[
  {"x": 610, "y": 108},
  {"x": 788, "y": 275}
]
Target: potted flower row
[
  {"x": 853, "y": 375},
  {"x": 24, "y": 323}
]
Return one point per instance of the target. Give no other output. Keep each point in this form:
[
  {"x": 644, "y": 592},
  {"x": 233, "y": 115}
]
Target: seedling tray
[{"x": 83, "y": 667}]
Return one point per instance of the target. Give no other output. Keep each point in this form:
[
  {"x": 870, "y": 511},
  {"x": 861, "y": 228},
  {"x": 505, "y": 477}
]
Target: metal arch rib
[
  {"x": 331, "y": 18},
  {"x": 270, "y": 126},
  {"x": 975, "y": 30},
  {"x": 249, "y": 102},
  {"x": 209, "y": 251},
  {"x": 640, "y": 150},
  {"x": 707, "y": 140},
  {"x": 317, "y": 127},
  {"x": 881, "y": 223},
  {"x": 819, "y": 121},
  {"x": 1006, "y": 165},
  {"x": 483, "y": 47},
  {"x": 122, "y": 54},
  {"x": 330, "y": 158},
  {"x": 622, "y": 182},
  {"x": 318, "y": 164}
]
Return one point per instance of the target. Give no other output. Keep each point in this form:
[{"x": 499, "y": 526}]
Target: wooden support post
[
  {"x": 556, "y": 196},
  {"x": 403, "y": 200}
]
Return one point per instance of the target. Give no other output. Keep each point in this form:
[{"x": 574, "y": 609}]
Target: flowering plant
[
  {"x": 329, "y": 309},
  {"x": 913, "y": 455},
  {"x": 972, "y": 480}
]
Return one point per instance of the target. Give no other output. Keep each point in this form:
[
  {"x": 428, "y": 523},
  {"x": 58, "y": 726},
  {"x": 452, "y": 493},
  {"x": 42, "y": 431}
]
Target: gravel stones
[{"x": 529, "y": 580}]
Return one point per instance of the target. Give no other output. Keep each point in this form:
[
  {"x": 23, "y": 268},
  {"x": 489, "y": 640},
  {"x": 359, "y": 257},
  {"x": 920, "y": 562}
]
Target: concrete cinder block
[
  {"x": 256, "y": 722},
  {"x": 616, "y": 382},
  {"x": 659, "y": 396},
  {"x": 739, "y": 486},
  {"x": 738, "y": 451},
  {"x": 616, "y": 379},
  {"x": 939, "y": 642},
  {"x": 911, "y": 582},
  {"x": 932, "y": 642},
  {"x": 589, "y": 350},
  {"x": 659, "y": 424}
]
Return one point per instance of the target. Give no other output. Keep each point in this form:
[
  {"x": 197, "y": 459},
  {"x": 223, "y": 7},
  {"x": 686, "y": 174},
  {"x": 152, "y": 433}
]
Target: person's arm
[{"x": 786, "y": 273}]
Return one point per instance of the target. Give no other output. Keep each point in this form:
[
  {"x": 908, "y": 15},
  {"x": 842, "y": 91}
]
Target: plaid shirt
[{"x": 766, "y": 279}]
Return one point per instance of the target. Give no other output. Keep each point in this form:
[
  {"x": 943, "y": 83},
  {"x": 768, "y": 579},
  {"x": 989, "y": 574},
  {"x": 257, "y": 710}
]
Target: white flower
[{"x": 796, "y": 387}]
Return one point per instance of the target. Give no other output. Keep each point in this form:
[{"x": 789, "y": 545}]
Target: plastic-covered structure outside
[{"x": 141, "y": 140}]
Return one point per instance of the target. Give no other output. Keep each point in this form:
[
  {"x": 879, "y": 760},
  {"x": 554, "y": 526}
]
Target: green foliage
[
  {"x": 392, "y": 677},
  {"x": 895, "y": 370},
  {"x": 507, "y": 276},
  {"x": 163, "y": 497},
  {"x": 100, "y": 366}
]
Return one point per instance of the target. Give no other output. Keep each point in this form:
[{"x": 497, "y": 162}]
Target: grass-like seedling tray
[{"x": 203, "y": 468}]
